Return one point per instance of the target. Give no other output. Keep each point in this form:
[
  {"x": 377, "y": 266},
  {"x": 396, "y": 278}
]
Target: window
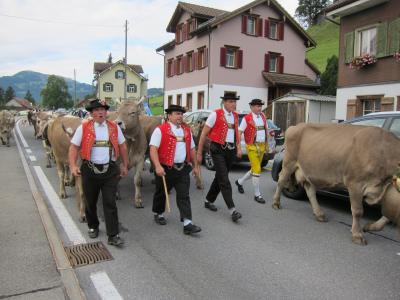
[
  {"x": 192, "y": 25},
  {"x": 189, "y": 62},
  {"x": 107, "y": 87},
  {"x": 170, "y": 67},
  {"x": 189, "y": 101},
  {"x": 179, "y": 66},
  {"x": 179, "y": 34},
  {"x": 231, "y": 57},
  {"x": 366, "y": 40},
  {"x": 251, "y": 25},
  {"x": 131, "y": 88},
  {"x": 370, "y": 106},
  {"x": 202, "y": 58},
  {"x": 119, "y": 74},
  {"x": 273, "y": 63},
  {"x": 170, "y": 99},
  {"x": 179, "y": 99},
  {"x": 378, "y": 122},
  {"x": 395, "y": 127},
  {"x": 273, "y": 30},
  {"x": 200, "y": 100}
]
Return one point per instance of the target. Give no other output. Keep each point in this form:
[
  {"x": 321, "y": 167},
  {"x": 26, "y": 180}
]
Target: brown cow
[
  {"x": 7, "y": 124},
  {"x": 361, "y": 159},
  {"x": 59, "y": 135}
]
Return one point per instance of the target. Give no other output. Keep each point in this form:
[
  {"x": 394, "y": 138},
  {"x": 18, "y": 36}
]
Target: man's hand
[
  {"x": 124, "y": 171},
  {"x": 160, "y": 171},
  {"x": 239, "y": 152},
  {"x": 199, "y": 157},
  {"x": 196, "y": 172},
  {"x": 75, "y": 171}
]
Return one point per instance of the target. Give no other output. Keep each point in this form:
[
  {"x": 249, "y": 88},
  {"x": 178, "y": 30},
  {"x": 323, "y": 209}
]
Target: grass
[
  {"x": 157, "y": 105},
  {"x": 326, "y": 35}
]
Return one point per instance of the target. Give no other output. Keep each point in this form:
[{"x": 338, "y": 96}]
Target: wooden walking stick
[{"x": 166, "y": 194}]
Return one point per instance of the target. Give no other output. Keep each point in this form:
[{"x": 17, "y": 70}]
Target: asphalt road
[{"x": 269, "y": 254}]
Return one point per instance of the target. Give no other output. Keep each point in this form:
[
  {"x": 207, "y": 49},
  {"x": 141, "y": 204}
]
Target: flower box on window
[{"x": 359, "y": 62}]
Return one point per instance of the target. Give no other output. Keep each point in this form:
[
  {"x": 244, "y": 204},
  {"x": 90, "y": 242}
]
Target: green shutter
[
  {"x": 394, "y": 36},
  {"x": 381, "y": 42},
  {"x": 349, "y": 46}
]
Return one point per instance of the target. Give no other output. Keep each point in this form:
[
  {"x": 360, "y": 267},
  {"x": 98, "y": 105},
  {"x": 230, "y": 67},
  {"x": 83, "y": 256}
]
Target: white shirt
[
  {"x": 99, "y": 155},
  {"x": 258, "y": 121},
  {"x": 230, "y": 136},
  {"x": 180, "y": 150}
]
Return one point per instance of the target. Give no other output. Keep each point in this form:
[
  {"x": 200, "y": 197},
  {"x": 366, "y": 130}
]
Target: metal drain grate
[{"x": 86, "y": 254}]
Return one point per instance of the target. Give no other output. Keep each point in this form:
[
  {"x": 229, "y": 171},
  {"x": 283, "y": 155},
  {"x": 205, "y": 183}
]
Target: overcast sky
[{"x": 56, "y": 36}]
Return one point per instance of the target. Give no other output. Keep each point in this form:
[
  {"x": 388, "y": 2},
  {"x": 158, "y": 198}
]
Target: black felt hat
[
  {"x": 96, "y": 103},
  {"x": 256, "y": 102},
  {"x": 174, "y": 107},
  {"x": 230, "y": 96}
]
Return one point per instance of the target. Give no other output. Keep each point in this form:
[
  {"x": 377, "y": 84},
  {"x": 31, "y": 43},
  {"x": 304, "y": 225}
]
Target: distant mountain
[
  {"x": 154, "y": 92},
  {"x": 34, "y": 82}
]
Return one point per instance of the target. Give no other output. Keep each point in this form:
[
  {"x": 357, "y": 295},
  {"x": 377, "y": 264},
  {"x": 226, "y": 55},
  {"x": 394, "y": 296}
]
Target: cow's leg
[
  {"x": 377, "y": 226},
  {"x": 80, "y": 197},
  {"x": 138, "y": 180},
  {"x": 357, "y": 211},
  {"x": 312, "y": 196},
  {"x": 61, "y": 177},
  {"x": 284, "y": 177},
  {"x": 48, "y": 154}
]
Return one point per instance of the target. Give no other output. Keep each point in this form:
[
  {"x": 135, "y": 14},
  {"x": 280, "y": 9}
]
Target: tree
[
  {"x": 2, "y": 100},
  {"x": 308, "y": 10},
  {"x": 29, "y": 97},
  {"x": 55, "y": 94},
  {"x": 329, "y": 77},
  {"x": 10, "y": 93}
]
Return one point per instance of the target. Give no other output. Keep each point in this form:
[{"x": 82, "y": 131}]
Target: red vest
[
  {"x": 89, "y": 137},
  {"x": 166, "y": 151},
  {"x": 220, "y": 130},
  {"x": 251, "y": 131}
]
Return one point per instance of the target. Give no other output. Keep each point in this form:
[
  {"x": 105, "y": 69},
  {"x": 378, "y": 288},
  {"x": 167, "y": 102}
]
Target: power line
[{"x": 56, "y": 21}]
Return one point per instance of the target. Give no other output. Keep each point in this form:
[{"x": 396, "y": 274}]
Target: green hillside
[
  {"x": 157, "y": 105},
  {"x": 326, "y": 35}
]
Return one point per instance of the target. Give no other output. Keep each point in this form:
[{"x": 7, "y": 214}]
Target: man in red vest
[
  {"x": 100, "y": 143},
  {"x": 222, "y": 129},
  {"x": 173, "y": 153},
  {"x": 255, "y": 129}
]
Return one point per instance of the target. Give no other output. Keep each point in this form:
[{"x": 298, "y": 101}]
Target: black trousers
[
  {"x": 223, "y": 160},
  {"x": 107, "y": 184},
  {"x": 180, "y": 180}
]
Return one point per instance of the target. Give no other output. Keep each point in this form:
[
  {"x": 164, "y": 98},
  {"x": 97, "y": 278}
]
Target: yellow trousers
[{"x": 255, "y": 153}]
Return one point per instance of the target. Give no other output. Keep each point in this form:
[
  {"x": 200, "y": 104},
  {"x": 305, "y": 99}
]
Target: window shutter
[
  {"x": 173, "y": 67},
  {"x": 266, "y": 62},
  {"x": 177, "y": 34},
  {"x": 387, "y": 104},
  {"x": 194, "y": 60},
  {"x": 281, "y": 31},
  {"x": 188, "y": 31},
  {"x": 266, "y": 28},
  {"x": 239, "y": 56},
  {"x": 104, "y": 87},
  {"x": 183, "y": 32},
  {"x": 167, "y": 70},
  {"x": 394, "y": 36},
  {"x": 244, "y": 24},
  {"x": 116, "y": 76},
  {"x": 281, "y": 61},
  {"x": 112, "y": 87},
  {"x": 223, "y": 57},
  {"x": 205, "y": 57},
  {"x": 184, "y": 65},
  {"x": 349, "y": 47},
  {"x": 259, "y": 31},
  {"x": 198, "y": 60},
  {"x": 351, "y": 109},
  {"x": 381, "y": 48}
]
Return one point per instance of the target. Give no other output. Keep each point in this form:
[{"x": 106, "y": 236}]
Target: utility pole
[
  {"x": 74, "y": 87},
  {"x": 126, "y": 55}
]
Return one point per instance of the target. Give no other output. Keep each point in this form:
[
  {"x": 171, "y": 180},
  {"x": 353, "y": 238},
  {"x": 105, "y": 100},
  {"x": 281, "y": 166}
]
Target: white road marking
[
  {"x": 29, "y": 151},
  {"x": 21, "y": 136},
  {"x": 398, "y": 253},
  {"x": 70, "y": 228},
  {"x": 32, "y": 157},
  {"x": 104, "y": 286}
]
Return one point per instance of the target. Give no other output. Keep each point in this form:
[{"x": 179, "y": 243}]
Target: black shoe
[
  {"x": 236, "y": 216},
  {"x": 240, "y": 187},
  {"x": 160, "y": 220},
  {"x": 93, "y": 233},
  {"x": 259, "y": 199},
  {"x": 210, "y": 206},
  {"x": 115, "y": 240},
  {"x": 191, "y": 228}
]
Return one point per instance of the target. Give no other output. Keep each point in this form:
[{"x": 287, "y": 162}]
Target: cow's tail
[{"x": 68, "y": 131}]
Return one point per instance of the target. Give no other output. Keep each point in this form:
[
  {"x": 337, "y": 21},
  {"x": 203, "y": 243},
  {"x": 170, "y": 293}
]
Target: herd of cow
[{"x": 317, "y": 156}]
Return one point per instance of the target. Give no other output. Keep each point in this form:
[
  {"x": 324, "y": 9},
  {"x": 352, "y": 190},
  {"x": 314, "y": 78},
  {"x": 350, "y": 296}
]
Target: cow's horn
[{"x": 141, "y": 99}]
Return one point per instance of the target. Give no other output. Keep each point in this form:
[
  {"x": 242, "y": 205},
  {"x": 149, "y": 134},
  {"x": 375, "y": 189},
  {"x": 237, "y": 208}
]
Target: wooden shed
[{"x": 294, "y": 108}]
